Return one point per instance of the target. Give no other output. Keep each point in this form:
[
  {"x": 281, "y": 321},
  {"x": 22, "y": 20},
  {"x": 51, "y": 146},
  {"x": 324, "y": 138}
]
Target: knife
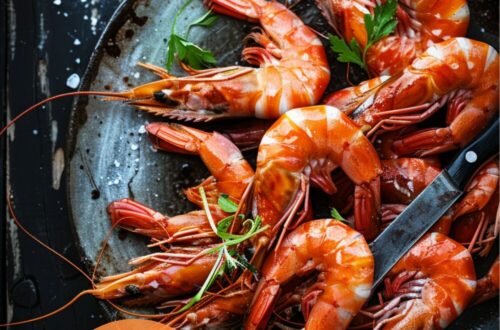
[{"x": 431, "y": 203}]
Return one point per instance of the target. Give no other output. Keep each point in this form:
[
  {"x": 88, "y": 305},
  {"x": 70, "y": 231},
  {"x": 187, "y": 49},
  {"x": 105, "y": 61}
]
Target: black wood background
[
  {"x": 38, "y": 53},
  {"x": 38, "y": 44}
]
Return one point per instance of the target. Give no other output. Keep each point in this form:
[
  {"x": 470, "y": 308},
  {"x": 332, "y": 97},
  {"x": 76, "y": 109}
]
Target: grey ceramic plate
[{"x": 109, "y": 151}]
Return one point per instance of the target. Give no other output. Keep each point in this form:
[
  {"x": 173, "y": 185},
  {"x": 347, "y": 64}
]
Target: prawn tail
[
  {"x": 176, "y": 138},
  {"x": 239, "y": 9}
]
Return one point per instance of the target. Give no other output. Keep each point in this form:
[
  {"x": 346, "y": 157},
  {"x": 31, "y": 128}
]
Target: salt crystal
[
  {"x": 77, "y": 61},
  {"x": 142, "y": 129},
  {"x": 57, "y": 2},
  {"x": 73, "y": 81},
  {"x": 35, "y": 132},
  {"x": 134, "y": 146},
  {"x": 117, "y": 163},
  {"x": 77, "y": 42}
]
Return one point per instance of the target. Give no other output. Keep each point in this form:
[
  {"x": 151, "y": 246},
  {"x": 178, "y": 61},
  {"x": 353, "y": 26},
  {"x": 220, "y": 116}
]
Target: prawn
[
  {"x": 474, "y": 220},
  {"x": 302, "y": 148},
  {"x": 231, "y": 176},
  {"x": 460, "y": 72},
  {"x": 421, "y": 23},
  {"x": 164, "y": 275},
  {"x": 404, "y": 179},
  {"x": 292, "y": 71},
  {"x": 400, "y": 182},
  {"x": 428, "y": 288},
  {"x": 344, "y": 261}
]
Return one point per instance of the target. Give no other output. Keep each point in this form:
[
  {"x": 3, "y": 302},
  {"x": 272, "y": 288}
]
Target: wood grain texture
[
  {"x": 42, "y": 53},
  {"x": 38, "y": 55}
]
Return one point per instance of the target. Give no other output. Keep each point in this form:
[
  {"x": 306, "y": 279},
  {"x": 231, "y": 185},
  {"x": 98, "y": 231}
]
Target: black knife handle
[{"x": 472, "y": 156}]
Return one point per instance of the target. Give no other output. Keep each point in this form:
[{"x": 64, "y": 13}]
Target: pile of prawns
[{"x": 360, "y": 145}]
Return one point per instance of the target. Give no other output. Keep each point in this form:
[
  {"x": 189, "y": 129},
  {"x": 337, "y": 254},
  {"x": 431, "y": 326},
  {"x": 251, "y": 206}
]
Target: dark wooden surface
[
  {"x": 38, "y": 53},
  {"x": 42, "y": 52}
]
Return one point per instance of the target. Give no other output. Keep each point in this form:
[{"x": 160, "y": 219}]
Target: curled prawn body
[
  {"x": 304, "y": 146},
  {"x": 428, "y": 288},
  {"x": 421, "y": 23},
  {"x": 292, "y": 72},
  {"x": 460, "y": 72},
  {"x": 344, "y": 261}
]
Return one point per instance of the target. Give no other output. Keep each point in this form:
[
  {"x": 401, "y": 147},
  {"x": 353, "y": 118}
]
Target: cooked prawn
[
  {"x": 421, "y": 23},
  {"x": 461, "y": 72},
  {"x": 474, "y": 219},
  {"x": 231, "y": 175},
  {"x": 166, "y": 274},
  {"x": 344, "y": 260},
  {"x": 428, "y": 288},
  {"x": 302, "y": 147},
  {"x": 293, "y": 72}
]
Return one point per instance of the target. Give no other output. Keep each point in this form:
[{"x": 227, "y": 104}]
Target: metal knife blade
[
  {"x": 413, "y": 223},
  {"x": 432, "y": 203}
]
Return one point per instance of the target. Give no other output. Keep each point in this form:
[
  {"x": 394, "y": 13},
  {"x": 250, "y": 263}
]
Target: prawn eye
[
  {"x": 132, "y": 289},
  {"x": 159, "y": 96}
]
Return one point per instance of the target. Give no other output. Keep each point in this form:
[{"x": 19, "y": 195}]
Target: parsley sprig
[
  {"x": 227, "y": 259},
  {"x": 187, "y": 52},
  {"x": 380, "y": 24}
]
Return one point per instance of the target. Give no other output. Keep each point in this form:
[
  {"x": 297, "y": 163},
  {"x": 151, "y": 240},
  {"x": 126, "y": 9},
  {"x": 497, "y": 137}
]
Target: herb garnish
[
  {"x": 336, "y": 216},
  {"x": 226, "y": 259},
  {"x": 187, "y": 52},
  {"x": 378, "y": 25}
]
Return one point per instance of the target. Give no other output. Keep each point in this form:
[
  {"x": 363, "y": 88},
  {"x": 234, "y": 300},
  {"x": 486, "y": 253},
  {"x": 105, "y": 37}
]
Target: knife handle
[{"x": 474, "y": 155}]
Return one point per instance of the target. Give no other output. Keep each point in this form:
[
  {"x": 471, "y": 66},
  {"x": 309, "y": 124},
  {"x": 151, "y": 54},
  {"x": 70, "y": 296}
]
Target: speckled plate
[{"x": 110, "y": 156}]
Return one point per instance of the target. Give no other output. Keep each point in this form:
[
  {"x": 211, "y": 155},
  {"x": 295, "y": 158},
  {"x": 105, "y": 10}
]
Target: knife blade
[{"x": 398, "y": 238}]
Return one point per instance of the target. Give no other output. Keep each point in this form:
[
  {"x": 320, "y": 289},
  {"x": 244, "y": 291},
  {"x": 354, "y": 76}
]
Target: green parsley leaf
[
  {"x": 382, "y": 23},
  {"x": 208, "y": 20},
  {"x": 226, "y": 204},
  {"x": 379, "y": 25},
  {"x": 347, "y": 53},
  {"x": 187, "y": 52},
  {"x": 246, "y": 264}
]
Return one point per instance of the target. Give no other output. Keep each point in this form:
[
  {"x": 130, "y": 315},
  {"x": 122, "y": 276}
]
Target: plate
[{"x": 110, "y": 155}]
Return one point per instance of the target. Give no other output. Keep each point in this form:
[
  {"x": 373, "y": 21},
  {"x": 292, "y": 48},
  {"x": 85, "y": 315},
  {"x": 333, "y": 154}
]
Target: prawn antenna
[
  {"x": 42, "y": 317},
  {"x": 114, "y": 95}
]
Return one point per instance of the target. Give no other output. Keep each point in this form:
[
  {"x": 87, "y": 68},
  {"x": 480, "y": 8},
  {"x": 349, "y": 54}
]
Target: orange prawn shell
[
  {"x": 451, "y": 286},
  {"x": 306, "y": 136},
  {"x": 334, "y": 249}
]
